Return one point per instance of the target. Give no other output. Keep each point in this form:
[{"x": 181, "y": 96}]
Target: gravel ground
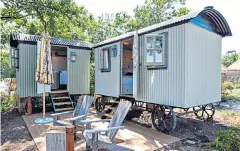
[
  {"x": 14, "y": 133},
  {"x": 189, "y": 128}
]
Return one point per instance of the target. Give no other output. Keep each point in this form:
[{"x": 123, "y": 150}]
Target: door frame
[{"x": 135, "y": 64}]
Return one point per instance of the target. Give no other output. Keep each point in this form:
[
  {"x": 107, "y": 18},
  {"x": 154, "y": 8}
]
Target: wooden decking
[{"x": 135, "y": 136}]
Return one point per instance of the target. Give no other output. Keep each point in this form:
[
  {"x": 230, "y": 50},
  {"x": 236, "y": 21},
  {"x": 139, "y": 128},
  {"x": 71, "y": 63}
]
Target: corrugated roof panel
[
  {"x": 55, "y": 41},
  {"x": 216, "y": 17}
]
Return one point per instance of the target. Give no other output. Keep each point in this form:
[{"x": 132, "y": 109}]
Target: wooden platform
[{"x": 135, "y": 136}]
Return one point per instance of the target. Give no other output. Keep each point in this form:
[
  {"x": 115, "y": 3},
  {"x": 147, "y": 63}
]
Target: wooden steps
[
  {"x": 64, "y": 109},
  {"x": 61, "y": 101},
  {"x": 63, "y": 97},
  {"x": 108, "y": 112},
  {"x": 59, "y": 91},
  {"x": 107, "y": 116}
]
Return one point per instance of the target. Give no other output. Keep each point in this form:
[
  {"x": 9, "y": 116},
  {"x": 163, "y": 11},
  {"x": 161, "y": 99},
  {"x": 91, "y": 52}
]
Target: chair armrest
[
  {"x": 94, "y": 131},
  {"x": 95, "y": 121},
  {"x": 76, "y": 117},
  {"x": 62, "y": 113}
]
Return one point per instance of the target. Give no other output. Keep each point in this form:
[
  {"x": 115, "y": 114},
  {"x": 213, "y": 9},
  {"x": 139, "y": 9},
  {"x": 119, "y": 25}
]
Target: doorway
[
  {"x": 59, "y": 66},
  {"x": 127, "y": 67}
]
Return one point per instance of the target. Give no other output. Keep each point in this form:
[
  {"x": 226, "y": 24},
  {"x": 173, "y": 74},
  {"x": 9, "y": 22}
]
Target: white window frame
[
  {"x": 155, "y": 64},
  {"x": 102, "y": 60}
]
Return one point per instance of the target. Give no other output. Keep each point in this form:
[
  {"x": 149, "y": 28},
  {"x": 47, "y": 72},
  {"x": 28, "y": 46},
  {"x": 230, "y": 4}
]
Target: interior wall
[
  {"x": 59, "y": 63},
  {"x": 127, "y": 60}
]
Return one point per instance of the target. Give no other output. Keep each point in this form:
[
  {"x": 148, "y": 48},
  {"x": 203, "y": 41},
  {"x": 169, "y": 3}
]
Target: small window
[
  {"x": 155, "y": 50},
  {"x": 15, "y": 58},
  {"x": 105, "y": 60}
]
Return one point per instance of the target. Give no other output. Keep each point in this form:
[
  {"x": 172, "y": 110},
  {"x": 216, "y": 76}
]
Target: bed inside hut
[{"x": 127, "y": 68}]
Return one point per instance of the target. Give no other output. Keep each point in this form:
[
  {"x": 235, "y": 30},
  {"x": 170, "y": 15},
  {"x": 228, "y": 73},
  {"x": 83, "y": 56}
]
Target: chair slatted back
[
  {"x": 83, "y": 105},
  {"x": 118, "y": 117}
]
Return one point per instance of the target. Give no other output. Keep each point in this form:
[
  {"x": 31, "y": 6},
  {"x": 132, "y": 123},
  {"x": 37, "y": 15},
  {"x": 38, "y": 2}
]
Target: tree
[
  {"x": 182, "y": 11},
  {"x": 152, "y": 12},
  {"x": 229, "y": 59},
  {"x": 156, "y": 11},
  {"x": 61, "y": 18}
]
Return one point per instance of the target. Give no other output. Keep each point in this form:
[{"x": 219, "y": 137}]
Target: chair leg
[{"x": 94, "y": 142}]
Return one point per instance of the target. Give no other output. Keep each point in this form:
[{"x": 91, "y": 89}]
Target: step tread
[
  {"x": 60, "y": 97},
  {"x": 107, "y": 115},
  {"x": 112, "y": 108},
  {"x": 62, "y": 103},
  {"x": 64, "y": 109},
  {"x": 56, "y": 92}
]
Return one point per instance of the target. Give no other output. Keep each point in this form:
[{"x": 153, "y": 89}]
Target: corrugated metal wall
[
  {"x": 26, "y": 85},
  {"x": 164, "y": 86},
  {"x": 108, "y": 83},
  {"x": 203, "y": 66},
  {"x": 79, "y": 72}
]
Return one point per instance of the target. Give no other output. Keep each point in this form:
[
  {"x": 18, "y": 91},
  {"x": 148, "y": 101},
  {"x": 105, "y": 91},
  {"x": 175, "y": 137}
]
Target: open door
[
  {"x": 39, "y": 85},
  {"x": 135, "y": 64}
]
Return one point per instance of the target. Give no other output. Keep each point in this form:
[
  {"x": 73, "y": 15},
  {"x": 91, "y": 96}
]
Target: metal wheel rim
[
  {"x": 164, "y": 119},
  {"x": 99, "y": 105},
  {"x": 204, "y": 112}
]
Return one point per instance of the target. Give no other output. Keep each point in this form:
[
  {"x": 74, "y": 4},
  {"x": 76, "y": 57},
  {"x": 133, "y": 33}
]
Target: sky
[{"x": 228, "y": 8}]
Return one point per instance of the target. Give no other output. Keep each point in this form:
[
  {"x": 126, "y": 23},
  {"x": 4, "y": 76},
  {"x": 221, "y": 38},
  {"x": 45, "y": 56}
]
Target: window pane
[
  {"x": 159, "y": 42},
  {"x": 150, "y": 56},
  {"x": 13, "y": 51},
  {"x": 158, "y": 56},
  {"x": 150, "y": 43},
  {"x": 16, "y": 63},
  {"x": 16, "y": 53},
  {"x": 13, "y": 62},
  {"x": 106, "y": 59}
]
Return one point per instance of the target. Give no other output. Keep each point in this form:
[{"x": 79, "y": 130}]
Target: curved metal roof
[
  {"x": 213, "y": 15},
  {"x": 16, "y": 37}
]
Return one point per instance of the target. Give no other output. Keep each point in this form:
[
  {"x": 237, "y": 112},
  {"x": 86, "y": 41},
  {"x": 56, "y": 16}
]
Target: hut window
[
  {"x": 155, "y": 50},
  {"x": 15, "y": 58},
  {"x": 105, "y": 60}
]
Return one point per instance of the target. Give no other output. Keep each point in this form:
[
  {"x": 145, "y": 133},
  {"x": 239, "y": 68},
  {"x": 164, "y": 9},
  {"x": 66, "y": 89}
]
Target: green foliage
[
  {"x": 227, "y": 140},
  {"x": 155, "y": 11},
  {"x": 61, "y": 18},
  {"x": 182, "y": 11},
  {"x": 7, "y": 101},
  {"x": 6, "y": 72},
  {"x": 227, "y": 88},
  {"x": 228, "y": 60}
]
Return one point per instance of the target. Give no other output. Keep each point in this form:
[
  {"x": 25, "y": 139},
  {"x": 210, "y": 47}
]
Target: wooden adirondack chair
[
  {"x": 104, "y": 138},
  {"x": 79, "y": 113}
]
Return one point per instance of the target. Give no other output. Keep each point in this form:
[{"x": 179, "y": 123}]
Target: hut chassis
[{"x": 163, "y": 116}]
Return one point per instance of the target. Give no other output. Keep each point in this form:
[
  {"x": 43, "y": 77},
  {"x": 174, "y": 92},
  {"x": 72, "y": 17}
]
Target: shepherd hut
[
  {"x": 175, "y": 63},
  {"x": 71, "y": 68}
]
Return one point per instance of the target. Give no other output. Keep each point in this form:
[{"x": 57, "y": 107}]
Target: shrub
[
  {"x": 7, "y": 101},
  {"x": 227, "y": 140},
  {"x": 226, "y": 86}
]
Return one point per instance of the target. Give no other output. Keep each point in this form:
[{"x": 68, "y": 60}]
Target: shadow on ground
[{"x": 14, "y": 133}]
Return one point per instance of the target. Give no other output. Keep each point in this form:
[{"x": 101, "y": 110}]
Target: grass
[
  {"x": 236, "y": 93},
  {"x": 229, "y": 117}
]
